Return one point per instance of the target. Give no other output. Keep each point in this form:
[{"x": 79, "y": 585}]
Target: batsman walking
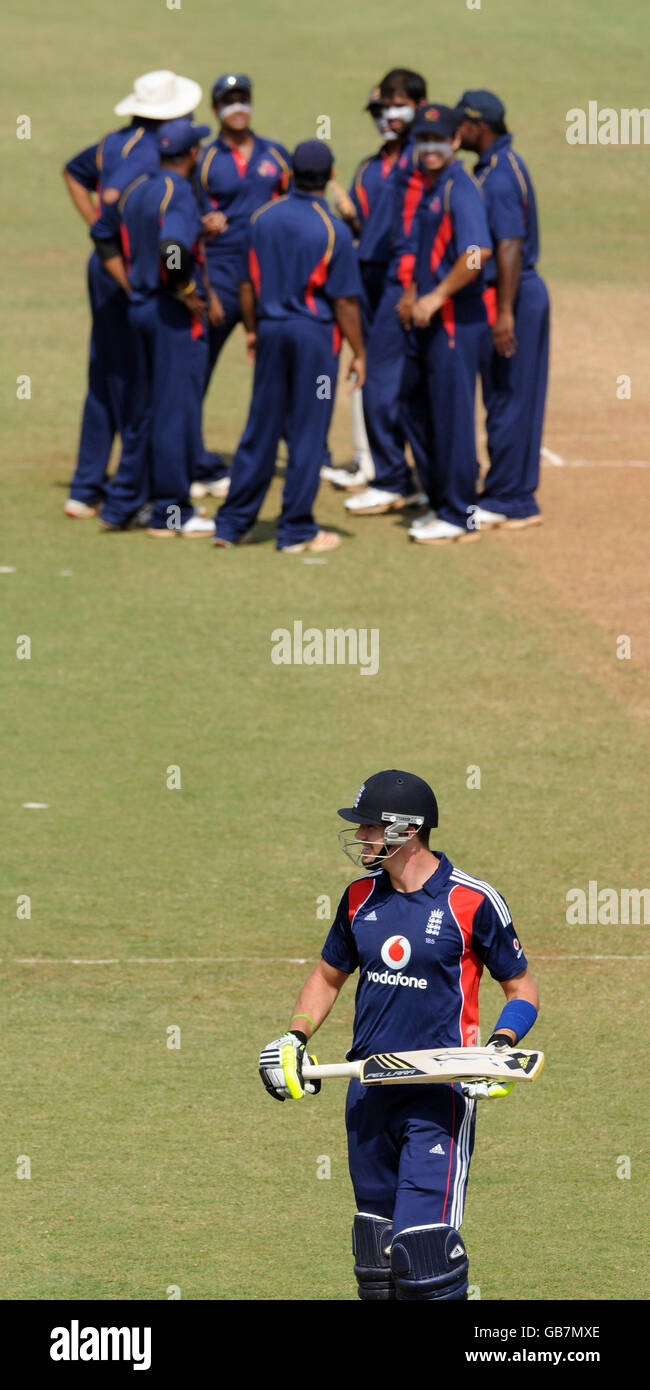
[{"x": 420, "y": 932}]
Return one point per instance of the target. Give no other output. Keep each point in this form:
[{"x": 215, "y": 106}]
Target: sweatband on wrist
[
  {"x": 518, "y": 1015},
  {"x": 309, "y": 1020}
]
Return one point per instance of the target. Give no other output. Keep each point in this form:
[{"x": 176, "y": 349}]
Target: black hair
[
  {"x": 423, "y": 835},
  {"x": 311, "y": 183},
  {"x": 497, "y": 127},
  {"x": 404, "y": 80}
]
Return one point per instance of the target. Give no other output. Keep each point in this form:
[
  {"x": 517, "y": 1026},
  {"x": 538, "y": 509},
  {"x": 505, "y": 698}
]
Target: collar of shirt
[
  {"x": 309, "y": 195},
  {"x": 432, "y": 886},
  {"x": 451, "y": 170},
  {"x": 226, "y": 148},
  {"x": 502, "y": 142}
]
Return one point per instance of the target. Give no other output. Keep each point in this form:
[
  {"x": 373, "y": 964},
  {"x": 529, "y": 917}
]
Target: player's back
[
  {"x": 510, "y": 200},
  {"x": 142, "y": 209},
  {"x": 292, "y": 243}
]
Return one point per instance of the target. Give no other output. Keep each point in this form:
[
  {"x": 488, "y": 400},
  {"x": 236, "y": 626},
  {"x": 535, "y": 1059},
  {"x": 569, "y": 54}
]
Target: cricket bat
[{"x": 442, "y": 1065}]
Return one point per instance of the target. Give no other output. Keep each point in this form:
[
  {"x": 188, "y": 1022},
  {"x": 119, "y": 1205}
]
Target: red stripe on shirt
[
  {"x": 443, "y": 238},
  {"x": 126, "y": 247},
  {"x": 411, "y": 199},
  {"x": 464, "y": 903},
  {"x": 405, "y": 268},
  {"x": 363, "y": 198},
  {"x": 241, "y": 163},
  {"x": 448, "y": 316},
  {"x": 358, "y": 894},
  {"x": 490, "y": 302},
  {"x": 254, "y": 271},
  {"x": 336, "y": 339},
  {"x": 316, "y": 279}
]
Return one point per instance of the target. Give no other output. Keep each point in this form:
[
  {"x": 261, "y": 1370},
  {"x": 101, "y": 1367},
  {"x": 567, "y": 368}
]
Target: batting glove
[
  {"x": 486, "y": 1090},
  {"x": 280, "y": 1067},
  {"x": 490, "y": 1090}
]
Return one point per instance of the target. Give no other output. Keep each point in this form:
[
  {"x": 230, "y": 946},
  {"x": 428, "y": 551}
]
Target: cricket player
[
  {"x": 420, "y": 933},
  {"x": 238, "y": 172},
  {"x": 367, "y": 208},
  {"x": 157, "y": 97},
  {"x": 160, "y": 230},
  {"x": 449, "y": 318},
  {"x": 515, "y": 344},
  {"x": 300, "y": 287},
  {"x": 401, "y": 92}
]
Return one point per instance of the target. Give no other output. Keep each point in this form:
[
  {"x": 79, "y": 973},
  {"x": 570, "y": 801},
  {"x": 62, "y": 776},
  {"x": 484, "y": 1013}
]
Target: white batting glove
[
  {"x": 280, "y": 1067},
  {"x": 486, "y": 1090}
]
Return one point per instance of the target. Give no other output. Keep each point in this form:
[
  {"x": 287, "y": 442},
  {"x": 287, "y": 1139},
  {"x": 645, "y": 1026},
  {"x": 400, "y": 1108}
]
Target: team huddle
[{"x": 426, "y": 270}]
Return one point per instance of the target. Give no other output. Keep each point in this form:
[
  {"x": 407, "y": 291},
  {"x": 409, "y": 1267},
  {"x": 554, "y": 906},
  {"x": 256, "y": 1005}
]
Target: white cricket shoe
[
  {"x": 197, "y": 527},
  {"x": 220, "y": 487},
  {"x": 344, "y": 477},
  {"x": 442, "y": 533},
  {"x": 80, "y": 510},
  {"x": 482, "y": 517},
  {"x": 426, "y": 520},
  {"x": 374, "y": 501}
]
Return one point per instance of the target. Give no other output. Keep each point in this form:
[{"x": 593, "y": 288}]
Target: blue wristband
[{"x": 518, "y": 1015}]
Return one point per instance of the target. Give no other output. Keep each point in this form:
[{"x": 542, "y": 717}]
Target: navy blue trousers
[
  {"x": 109, "y": 370},
  {"x": 385, "y": 355},
  {"x": 296, "y": 368},
  {"x": 161, "y": 445},
  {"x": 211, "y": 465},
  {"x": 437, "y": 401},
  {"x": 514, "y": 393},
  {"x": 409, "y": 1151}
]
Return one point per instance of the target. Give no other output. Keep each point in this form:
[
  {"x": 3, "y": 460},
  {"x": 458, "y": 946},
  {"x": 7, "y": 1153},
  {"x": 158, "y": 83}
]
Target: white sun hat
[{"x": 162, "y": 96}]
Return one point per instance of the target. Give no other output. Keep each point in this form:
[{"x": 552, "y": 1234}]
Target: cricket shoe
[
  {"x": 222, "y": 544},
  {"x": 442, "y": 533},
  {"x": 80, "y": 510},
  {"x": 195, "y": 528},
  {"x": 483, "y": 518},
  {"x": 374, "y": 501},
  {"x": 217, "y": 487},
  {"x": 323, "y": 540},
  {"x": 344, "y": 477},
  {"x": 423, "y": 521}
]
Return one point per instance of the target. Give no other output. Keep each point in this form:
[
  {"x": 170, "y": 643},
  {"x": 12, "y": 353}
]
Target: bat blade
[{"x": 450, "y": 1064}]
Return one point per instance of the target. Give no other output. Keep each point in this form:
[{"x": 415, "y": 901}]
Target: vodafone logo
[{"x": 396, "y": 951}]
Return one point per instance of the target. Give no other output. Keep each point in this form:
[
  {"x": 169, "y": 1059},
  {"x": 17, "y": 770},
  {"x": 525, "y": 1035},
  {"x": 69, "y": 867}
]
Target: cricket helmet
[{"x": 400, "y": 801}]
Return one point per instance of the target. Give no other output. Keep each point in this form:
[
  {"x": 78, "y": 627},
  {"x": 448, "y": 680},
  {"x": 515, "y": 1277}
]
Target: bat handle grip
[{"x": 313, "y": 1072}]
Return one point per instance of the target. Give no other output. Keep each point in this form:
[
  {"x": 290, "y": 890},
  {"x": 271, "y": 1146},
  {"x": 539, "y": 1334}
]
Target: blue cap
[
  {"x": 439, "y": 121},
  {"x": 481, "y": 106},
  {"x": 312, "y": 157},
  {"x": 375, "y": 99},
  {"x": 231, "y": 82},
  {"x": 177, "y": 137},
  {"x": 393, "y": 793}
]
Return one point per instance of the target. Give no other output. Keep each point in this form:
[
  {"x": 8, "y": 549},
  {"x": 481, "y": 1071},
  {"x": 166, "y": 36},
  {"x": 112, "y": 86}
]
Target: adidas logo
[
  {"x": 437, "y": 1149},
  {"x": 372, "y": 917}
]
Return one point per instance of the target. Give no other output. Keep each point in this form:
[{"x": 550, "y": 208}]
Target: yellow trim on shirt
[
  {"x": 133, "y": 141},
  {"x": 331, "y": 234},
  {"x": 206, "y": 165},
  {"x": 167, "y": 197},
  {"x": 520, "y": 177},
  {"x": 272, "y": 203},
  {"x": 129, "y": 189}
]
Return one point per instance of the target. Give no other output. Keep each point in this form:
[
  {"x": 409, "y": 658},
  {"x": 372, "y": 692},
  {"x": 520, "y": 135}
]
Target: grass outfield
[{"x": 155, "y": 1168}]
